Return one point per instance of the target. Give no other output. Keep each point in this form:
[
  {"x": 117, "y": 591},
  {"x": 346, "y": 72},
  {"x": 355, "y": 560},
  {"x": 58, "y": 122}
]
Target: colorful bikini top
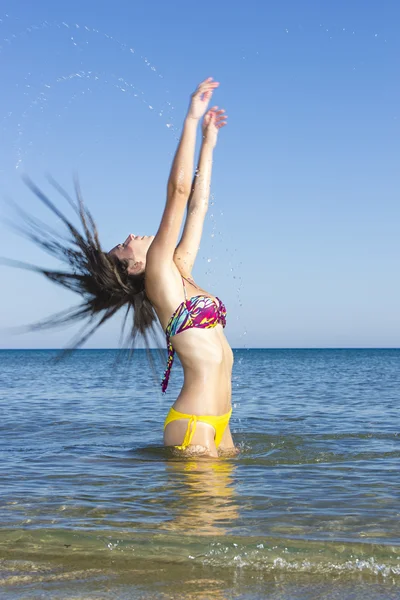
[{"x": 201, "y": 312}]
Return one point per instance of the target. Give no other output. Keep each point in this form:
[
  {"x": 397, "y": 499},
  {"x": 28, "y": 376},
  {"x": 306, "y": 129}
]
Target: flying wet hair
[{"x": 101, "y": 279}]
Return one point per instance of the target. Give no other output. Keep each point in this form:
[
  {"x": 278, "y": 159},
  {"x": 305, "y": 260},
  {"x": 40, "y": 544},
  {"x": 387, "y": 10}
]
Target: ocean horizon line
[{"x": 233, "y": 348}]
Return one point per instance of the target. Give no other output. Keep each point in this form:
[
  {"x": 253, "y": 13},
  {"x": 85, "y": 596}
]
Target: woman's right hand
[{"x": 201, "y": 98}]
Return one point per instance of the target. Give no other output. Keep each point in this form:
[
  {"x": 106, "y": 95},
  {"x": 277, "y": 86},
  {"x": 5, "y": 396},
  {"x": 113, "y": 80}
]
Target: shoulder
[
  {"x": 159, "y": 263},
  {"x": 162, "y": 271},
  {"x": 164, "y": 288}
]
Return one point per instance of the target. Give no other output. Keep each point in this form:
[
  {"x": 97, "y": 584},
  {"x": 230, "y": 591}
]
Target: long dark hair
[{"x": 101, "y": 279}]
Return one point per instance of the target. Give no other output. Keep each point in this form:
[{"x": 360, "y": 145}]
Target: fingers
[
  {"x": 206, "y": 88},
  {"x": 217, "y": 117},
  {"x": 213, "y": 112},
  {"x": 208, "y": 83}
]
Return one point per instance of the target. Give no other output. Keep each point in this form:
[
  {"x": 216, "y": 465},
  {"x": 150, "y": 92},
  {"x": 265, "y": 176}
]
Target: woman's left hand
[{"x": 213, "y": 120}]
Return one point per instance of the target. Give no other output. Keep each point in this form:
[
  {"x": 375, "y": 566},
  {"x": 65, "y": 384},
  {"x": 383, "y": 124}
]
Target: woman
[{"x": 153, "y": 276}]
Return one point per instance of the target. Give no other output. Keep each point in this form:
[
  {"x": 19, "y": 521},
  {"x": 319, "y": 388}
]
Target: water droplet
[{"x": 209, "y": 260}]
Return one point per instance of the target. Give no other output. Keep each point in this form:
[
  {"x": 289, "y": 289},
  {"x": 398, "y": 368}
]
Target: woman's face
[{"x": 134, "y": 248}]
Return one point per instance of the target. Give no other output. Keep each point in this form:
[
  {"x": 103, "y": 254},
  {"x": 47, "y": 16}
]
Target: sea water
[{"x": 93, "y": 506}]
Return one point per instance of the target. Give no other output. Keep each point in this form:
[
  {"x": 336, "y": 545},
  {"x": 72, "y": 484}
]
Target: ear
[{"x": 135, "y": 268}]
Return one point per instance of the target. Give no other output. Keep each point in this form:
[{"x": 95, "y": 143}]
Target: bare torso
[{"x": 207, "y": 361}]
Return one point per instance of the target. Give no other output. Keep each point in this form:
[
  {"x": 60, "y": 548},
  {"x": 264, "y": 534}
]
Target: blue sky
[{"x": 302, "y": 239}]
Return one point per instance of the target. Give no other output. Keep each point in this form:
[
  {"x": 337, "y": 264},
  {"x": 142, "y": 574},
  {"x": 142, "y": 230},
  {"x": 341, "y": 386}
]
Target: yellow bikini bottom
[{"x": 219, "y": 424}]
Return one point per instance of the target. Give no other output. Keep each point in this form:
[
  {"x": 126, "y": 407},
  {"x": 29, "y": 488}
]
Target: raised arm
[
  {"x": 179, "y": 182},
  {"x": 188, "y": 247}
]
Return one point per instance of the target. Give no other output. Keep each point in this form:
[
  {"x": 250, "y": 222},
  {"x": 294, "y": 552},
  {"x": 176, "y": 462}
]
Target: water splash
[{"x": 80, "y": 36}]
